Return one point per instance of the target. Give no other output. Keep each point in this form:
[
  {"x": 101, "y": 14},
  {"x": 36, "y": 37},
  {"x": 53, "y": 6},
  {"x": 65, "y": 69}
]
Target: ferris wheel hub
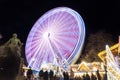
[{"x": 46, "y": 35}]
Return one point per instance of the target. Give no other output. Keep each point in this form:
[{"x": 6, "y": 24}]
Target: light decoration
[
  {"x": 113, "y": 70},
  {"x": 102, "y": 54},
  {"x": 57, "y": 37}
]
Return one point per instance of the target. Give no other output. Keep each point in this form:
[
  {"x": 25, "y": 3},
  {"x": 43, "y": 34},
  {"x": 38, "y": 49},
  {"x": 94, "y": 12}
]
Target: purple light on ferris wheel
[{"x": 57, "y": 37}]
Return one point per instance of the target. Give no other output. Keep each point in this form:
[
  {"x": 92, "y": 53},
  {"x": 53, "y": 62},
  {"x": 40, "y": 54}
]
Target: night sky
[{"x": 19, "y": 16}]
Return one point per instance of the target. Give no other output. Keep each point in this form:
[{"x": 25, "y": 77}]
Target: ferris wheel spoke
[
  {"x": 35, "y": 53},
  {"x": 40, "y": 57},
  {"x": 64, "y": 23},
  {"x": 55, "y": 18},
  {"x": 62, "y": 59},
  {"x": 68, "y": 40},
  {"x": 71, "y": 26},
  {"x": 53, "y": 52},
  {"x": 64, "y": 47},
  {"x": 32, "y": 50},
  {"x": 62, "y": 17},
  {"x": 67, "y": 35},
  {"x": 57, "y": 47}
]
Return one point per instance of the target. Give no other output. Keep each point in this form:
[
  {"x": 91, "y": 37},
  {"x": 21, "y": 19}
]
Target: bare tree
[{"x": 96, "y": 43}]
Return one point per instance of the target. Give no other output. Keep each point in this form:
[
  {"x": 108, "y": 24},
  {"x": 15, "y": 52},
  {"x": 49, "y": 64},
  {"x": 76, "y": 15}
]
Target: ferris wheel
[{"x": 56, "y": 37}]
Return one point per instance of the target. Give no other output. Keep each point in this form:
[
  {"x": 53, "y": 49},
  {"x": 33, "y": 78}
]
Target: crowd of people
[{"x": 50, "y": 75}]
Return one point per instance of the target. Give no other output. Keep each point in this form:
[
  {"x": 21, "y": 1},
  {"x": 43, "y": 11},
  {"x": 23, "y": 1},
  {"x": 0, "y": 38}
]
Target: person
[
  {"x": 93, "y": 77},
  {"x": 87, "y": 76},
  {"x": 9, "y": 63},
  {"x": 41, "y": 74},
  {"x": 66, "y": 75},
  {"x": 29, "y": 74},
  {"x": 51, "y": 73},
  {"x": 45, "y": 75},
  {"x": 105, "y": 76},
  {"x": 98, "y": 75},
  {"x": 71, "y": 74}
]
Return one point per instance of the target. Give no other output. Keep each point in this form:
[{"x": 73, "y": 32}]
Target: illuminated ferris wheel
[{"x": 57, "y": 37}]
